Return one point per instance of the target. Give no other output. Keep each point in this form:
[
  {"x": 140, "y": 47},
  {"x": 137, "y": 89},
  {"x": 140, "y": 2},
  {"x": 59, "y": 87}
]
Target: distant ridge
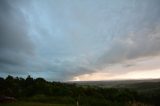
[{"x": 116, "y": 83}]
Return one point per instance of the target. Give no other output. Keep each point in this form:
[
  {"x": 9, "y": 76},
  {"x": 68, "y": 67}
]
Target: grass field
[
  {"x": 33, "y": 104},
  {"x": 46, "y": 104}
]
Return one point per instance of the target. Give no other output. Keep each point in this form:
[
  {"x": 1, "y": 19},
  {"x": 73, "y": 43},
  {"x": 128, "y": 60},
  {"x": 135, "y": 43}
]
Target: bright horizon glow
[
  {"x": 135, "y": 75},
  {"x": 141, "y": 68}
]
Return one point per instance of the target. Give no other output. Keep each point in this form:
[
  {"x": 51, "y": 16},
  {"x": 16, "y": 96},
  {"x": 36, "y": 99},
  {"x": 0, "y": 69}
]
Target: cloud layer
[{"x": 60, "y": 40}]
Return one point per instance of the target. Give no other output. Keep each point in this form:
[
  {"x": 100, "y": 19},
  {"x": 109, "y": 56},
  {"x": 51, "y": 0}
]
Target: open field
[{"x": 47, "y": 104}]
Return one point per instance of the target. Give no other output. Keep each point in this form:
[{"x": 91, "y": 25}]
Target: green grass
[
  {"x": 32, "y": 104},
  {"x": 47, "y": 104}
]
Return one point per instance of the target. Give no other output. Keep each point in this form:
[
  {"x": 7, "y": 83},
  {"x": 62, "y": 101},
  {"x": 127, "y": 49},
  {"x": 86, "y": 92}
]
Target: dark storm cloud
[{"x": 15, "y": 43}]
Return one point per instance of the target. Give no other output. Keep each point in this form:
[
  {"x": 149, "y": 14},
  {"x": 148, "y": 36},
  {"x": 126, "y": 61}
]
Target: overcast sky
[{"x": 65, "y": 40}]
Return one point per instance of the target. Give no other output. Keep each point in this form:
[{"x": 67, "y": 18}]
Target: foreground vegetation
[
  {"x": 32, "y": 104},
  {"x": 39, "y": 92},
  {"x": 49, "y": 104}
]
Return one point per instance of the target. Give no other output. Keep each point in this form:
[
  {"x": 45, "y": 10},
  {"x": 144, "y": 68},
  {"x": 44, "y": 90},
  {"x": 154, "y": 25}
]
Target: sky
[{"x": 77, "y": 40}]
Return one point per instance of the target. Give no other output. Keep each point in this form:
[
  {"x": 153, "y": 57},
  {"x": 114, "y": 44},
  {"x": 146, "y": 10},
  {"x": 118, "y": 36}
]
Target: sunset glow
[{"x": 152, "y": 74}]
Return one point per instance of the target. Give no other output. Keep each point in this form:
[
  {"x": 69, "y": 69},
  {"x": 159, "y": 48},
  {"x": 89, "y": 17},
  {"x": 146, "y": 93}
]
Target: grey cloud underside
[
  {"x": 60, "y": 40},
  {"x": 140, "y": 37},
  {"x": 13, "y": 29},
  {"x": 15, "y": 45},
  {"x": 133, "y": 46}
]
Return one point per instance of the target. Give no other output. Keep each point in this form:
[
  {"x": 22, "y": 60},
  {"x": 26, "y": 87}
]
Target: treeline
[{"x": 40, "y": 90}]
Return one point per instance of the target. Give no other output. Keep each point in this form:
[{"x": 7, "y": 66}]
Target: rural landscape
[
  {"x": 79, "y": 52},
  {"x": 17, "y": 91}
]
